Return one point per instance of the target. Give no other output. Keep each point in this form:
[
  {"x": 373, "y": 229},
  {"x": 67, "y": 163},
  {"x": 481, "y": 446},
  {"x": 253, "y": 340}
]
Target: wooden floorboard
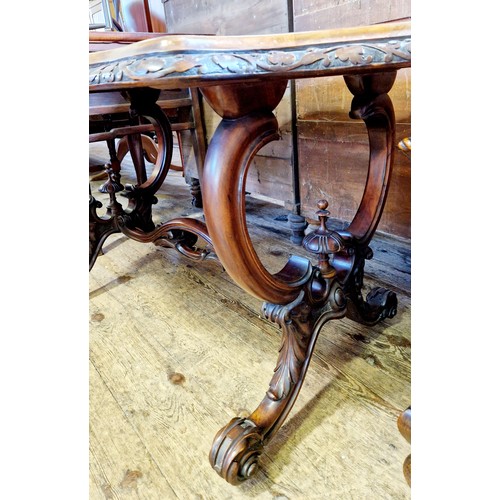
[{"x": 177, "y": 349}]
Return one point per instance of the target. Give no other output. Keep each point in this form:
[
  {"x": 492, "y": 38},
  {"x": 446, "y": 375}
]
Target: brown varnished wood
[
  {"x": 235, "y": 101},
  {"x": 121, "y": 36},
  {"x": 135, "y": 219},
  {"x": 134, "y": 145},
  {"x": 233, "y": 146},
  {"x": 141, "y": 197},
  {"x": 179, "y": 105},
  {"x": 378, "y": 115},
  {"x": 231, "y": 17},
  {"x": 181, "y": 234},
  {"x": 275, "y": 41},
  {"x": 181, "y": 61},
  {"x": 149, "y": 149},
  {"x": 121, "y": 115},
  {"x": 331, "y": 291},
  {"x": 243, "y": 79}
]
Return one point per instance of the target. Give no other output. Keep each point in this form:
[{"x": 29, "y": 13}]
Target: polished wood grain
[
  {"x": 243, "y": 79},
  {"x": 137, "y": 213},
  {"x": 124, "y": 116},
  {"x": 300, "y": 298}
]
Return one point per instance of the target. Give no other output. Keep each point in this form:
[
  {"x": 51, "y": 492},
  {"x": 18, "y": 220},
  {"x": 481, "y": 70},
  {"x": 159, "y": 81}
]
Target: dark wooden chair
[{"x": 111, "y": 111}]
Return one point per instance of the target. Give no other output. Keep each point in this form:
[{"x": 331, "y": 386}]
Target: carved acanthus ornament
[
  {"x": 294, "y": 320},
  {"x": 218, "y": 64}
]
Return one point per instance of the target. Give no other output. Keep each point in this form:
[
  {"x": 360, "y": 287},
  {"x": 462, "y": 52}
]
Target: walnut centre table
[{"x": 243, "y": 78}]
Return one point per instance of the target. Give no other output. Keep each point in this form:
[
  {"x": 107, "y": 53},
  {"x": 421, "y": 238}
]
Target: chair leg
[
  {"x": 179, "y": 168},
  {"x": 404, "y": 426}
]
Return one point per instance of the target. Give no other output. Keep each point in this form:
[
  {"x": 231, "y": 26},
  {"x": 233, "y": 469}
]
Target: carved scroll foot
[
  {"x": 239, "y": 444},
  {"x": 379, "y": 303},
  {"x": 236, "y": 450}
]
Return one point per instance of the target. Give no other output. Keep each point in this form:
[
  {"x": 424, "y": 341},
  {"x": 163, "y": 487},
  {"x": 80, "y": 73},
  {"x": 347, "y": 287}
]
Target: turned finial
[
  {"x": 322, "y": 214},
  {"x": 323, "y": 242}
]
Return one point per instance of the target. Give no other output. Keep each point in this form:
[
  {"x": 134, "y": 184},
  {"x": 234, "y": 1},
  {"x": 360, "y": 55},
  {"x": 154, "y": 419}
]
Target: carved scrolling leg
[
  {"x": 101, "y": 227},
  {"x": 238, "y": 445},
  {"x": 301, "y": 298},
  {"x": 297, "y": 298}
]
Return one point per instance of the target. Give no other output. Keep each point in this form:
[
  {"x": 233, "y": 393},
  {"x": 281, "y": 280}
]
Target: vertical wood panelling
[
  {"x": 270, "y": 174},
  {"x": 310, "y": 15},
  {"x": 157, "y": 16},
  {"x": 333, "y": 149},
  {"x": 230, "y": 17}
]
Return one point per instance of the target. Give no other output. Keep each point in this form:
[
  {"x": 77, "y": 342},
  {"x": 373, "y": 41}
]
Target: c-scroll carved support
[
  {"x": 181, "y": 234},
  {"x": 372, "y": 104},
  {"x": 248, "y": 125}
]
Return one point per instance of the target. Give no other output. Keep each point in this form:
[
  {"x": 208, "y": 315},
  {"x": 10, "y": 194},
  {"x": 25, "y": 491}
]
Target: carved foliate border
[{"x": 231, "y": 64}]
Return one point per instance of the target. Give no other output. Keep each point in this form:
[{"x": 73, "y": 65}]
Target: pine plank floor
[{"x": 177, "y": 349}]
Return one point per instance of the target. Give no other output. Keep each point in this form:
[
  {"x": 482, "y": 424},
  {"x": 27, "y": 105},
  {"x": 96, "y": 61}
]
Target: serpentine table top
[
  {"x": 243, "y": 78},
  {"x": 177, "y": 61}
]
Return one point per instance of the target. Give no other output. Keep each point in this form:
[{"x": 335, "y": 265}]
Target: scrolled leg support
[
  {"x": 379, "y": 303},
  {"x": 238, "y": 445},
  {"x": 301, "y": 298}
]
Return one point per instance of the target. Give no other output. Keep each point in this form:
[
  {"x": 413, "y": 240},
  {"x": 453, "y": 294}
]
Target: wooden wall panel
[
  {"x": 310, "y": 15},
  {"x": 270, "y": 174},
  {"x": 156, "y": 16},
  {"x": 328, "y": 139},
  {"x": 229, "y": 17},
  {"x": 326, "y": 135},
  {"x": 334, "y": 161}
]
